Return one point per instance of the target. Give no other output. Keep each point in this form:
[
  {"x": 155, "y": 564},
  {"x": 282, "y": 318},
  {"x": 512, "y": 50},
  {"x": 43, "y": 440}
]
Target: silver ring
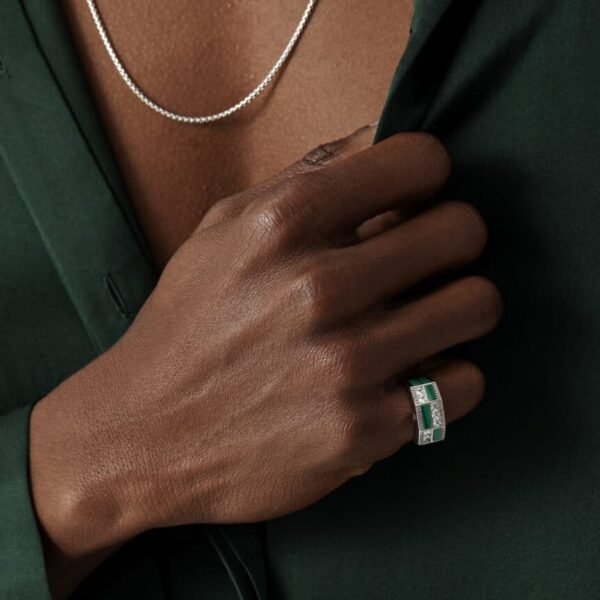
[{"x": 429, "y": 411}]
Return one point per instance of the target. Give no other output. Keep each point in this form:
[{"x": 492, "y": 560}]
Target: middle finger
[{"x": 445, "y": 237}]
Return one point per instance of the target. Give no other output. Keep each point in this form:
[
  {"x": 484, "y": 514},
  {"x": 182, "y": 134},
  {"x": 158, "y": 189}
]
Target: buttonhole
[{"x": 116, "y": 296}]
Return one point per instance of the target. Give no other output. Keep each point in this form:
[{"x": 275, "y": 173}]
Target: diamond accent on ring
[
  {"x": 436, "y": 414},
  {"x": 420, "y": 395},
  {"x": 427, "y": 436}
]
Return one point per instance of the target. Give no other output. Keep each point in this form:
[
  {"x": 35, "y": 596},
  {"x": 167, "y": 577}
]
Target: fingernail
[
  {"x": 341, "y": 147},
  {"x": 364, "y": 128}
]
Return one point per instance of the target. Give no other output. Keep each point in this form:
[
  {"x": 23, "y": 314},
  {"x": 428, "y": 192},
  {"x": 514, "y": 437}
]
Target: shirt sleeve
[{"x": 22, "y": 567}]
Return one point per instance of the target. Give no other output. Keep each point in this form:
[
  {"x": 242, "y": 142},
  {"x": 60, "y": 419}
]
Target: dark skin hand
[{"x": 259, "y": 375}]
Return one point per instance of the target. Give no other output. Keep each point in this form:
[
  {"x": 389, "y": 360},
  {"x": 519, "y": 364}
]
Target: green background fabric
[{"x": 506, "y": 507}]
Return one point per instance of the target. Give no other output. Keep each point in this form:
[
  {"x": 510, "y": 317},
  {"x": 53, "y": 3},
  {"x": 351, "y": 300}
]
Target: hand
[{"x": 259, "y": 375}]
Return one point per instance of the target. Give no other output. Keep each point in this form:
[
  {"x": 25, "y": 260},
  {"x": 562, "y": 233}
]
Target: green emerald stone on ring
[{"x": 429, "y": 411}]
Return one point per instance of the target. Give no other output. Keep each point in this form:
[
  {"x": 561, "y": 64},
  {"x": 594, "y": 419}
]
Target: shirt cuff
[{"x": 22, "y": 567}]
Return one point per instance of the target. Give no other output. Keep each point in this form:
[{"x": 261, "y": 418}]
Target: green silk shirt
[{"x": 505, "y": 508}]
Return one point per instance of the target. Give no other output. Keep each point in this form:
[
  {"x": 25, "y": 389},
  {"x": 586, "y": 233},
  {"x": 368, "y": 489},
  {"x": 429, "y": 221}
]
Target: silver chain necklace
[{"x": 199, "y": 120}]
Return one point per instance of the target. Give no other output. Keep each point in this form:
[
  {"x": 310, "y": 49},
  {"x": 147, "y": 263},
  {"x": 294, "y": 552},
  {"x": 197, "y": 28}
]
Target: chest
[{"x": 201, "y": 57}]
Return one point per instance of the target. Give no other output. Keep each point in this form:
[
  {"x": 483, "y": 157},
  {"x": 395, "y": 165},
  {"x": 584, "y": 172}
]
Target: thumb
[
  {"x": 321, "y": 156},
  {"x": 325, "y": 154}
]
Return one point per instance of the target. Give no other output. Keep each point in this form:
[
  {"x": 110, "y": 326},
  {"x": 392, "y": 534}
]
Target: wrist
[{"x": 78, "y": 466}]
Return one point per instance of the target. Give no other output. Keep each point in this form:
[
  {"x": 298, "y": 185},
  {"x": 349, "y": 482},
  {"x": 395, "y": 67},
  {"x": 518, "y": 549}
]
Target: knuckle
[
  {"x": 488, "y": 301},
  {"x": 309, "y": 292},
  {"x": 273, "y": 221},
  {"x": 471, "y": 223},
  {"x": 284, "y": 214},
  {"x": 349, "y": 435},
  {"x": 431, "y": 146},
  {"x": 473, "y": 378},
  {"x": 315, "y": 292}
]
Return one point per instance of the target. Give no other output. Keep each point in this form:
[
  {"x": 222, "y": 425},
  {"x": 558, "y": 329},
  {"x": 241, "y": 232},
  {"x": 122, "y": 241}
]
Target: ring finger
[{"x": 389, "y": 422}]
